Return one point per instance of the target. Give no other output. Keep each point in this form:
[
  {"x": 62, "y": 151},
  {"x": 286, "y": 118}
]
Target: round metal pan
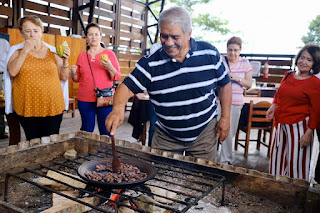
[{"x": 90, "y": 166}]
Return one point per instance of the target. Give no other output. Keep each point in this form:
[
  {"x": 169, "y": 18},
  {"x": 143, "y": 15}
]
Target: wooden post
[
  {"x": 16, "y": 5},
  {"x": 91, "y": 10},
  {"x": 116, "y": 39},
  {"x": 145, "y": 28},
  {"x": 76, "y": 28}
]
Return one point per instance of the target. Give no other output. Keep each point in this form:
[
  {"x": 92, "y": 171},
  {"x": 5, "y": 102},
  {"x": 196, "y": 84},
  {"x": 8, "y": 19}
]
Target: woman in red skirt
[{"x": 296, "y": 109}]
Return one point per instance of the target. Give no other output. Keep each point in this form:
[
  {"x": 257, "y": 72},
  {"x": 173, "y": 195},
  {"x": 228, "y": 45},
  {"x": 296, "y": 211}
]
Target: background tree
[
  {"x": 205, "y": 21},
  {"x": 202, "y": 22},
  {"x": 314, "y": 32}
]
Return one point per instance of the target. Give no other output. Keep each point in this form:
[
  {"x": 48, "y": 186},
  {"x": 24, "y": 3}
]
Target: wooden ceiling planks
[{"x": 122, "y": 22}]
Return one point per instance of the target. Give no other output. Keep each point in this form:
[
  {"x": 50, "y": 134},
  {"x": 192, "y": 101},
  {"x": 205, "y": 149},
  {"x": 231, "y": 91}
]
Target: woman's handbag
[{"x": 104, "y": 96}]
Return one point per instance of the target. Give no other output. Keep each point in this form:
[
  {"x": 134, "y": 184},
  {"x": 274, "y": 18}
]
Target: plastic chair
[
  {"x": 256, "y": 67},
  {"x": 256, "y": 120}
]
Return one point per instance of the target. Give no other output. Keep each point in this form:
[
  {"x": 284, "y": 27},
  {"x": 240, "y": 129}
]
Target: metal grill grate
[{"x": 189, "y": 181}]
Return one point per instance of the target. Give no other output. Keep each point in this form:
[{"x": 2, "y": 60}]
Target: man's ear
[{"x": 189, "y": 34}]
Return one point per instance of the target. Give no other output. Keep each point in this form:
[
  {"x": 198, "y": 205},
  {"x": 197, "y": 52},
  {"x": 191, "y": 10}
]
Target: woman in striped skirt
[{"x": 296, "y": 109}]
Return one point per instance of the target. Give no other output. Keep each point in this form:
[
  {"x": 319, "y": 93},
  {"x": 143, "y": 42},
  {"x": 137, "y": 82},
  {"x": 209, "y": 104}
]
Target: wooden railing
[
  {"x": 123, "y": 22},
  {"x": 278, "y": 65},
  {"x": 76, "y": 45}
]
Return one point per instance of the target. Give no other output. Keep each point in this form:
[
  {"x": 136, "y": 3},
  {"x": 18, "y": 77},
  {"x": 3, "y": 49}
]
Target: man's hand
[
  {"x": 114, "y": 120},
  {"x": 116, "y": 117},
  {"x": 225, "y": 101},
  {"x": 223, "y": 128}
]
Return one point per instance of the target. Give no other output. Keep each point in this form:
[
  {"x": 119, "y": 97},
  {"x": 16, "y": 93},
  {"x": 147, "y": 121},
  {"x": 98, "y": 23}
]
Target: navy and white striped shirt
[{"x": 182, "y": 93}]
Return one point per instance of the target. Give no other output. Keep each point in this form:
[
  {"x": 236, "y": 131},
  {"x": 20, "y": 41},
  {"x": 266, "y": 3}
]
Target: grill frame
[
  {"x": 173, "y": 166},
  {"x": 281, "y": 190}
]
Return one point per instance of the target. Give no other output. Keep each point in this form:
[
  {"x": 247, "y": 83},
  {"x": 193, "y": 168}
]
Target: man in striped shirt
[{"x": 181, "y": 78}]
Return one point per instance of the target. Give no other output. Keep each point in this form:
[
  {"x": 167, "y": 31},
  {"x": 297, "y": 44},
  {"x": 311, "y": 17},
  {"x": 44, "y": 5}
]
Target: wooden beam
[
  {"x": 66, "y": 3},
  {"x": 117, "y": 11},
  {"x": 43, "y": 8},
  {"x": 129, "y": 57},
  {"x": 76, "y": 27},
  {"x": 51, "y": 20},
  {"x": 134, "y": 5},
  {"x": 132, "y": 21},
  {"x": 132, "y": 36},
  {"x": 72, "y": 206},
  {"x": 92, "y": 10},
  {"x": 63, "y": 178},
  {"x": 7, "y": 11}
]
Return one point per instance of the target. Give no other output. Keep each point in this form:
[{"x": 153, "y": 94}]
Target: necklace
[
  {"x": 93, "y": 52},
  {"x": 37, "y": 50}
]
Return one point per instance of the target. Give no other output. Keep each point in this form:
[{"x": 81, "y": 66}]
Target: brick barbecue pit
[{"x": 194, "y": 184}]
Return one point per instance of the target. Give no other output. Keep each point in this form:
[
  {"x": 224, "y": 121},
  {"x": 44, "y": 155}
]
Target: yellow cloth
[{"x": 36, "y": 89}]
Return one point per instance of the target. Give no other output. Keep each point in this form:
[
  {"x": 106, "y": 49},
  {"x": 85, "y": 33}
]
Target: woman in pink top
[
  {"x": 104, "y": 71},
  {"x": 240, "y": 72}
]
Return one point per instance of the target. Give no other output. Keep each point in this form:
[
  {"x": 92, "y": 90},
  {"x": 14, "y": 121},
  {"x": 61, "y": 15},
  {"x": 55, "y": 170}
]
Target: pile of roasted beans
[{"x": 128, "y": 173}]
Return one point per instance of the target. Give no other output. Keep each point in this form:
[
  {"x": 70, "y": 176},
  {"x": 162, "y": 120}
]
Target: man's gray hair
[{"x": 176, "y": 15}]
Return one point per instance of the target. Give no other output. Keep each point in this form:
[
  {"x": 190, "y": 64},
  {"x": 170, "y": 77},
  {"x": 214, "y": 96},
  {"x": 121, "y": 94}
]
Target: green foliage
[
  {"x": 203, "y": 21},
  {"x": 189, "y": 3},
  {"x": 211, "y": 23},
  {"x": 314, "y": 32}
]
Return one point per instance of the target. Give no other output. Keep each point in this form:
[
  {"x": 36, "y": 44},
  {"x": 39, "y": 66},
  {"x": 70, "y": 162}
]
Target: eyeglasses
[{"x": 233, "y": 50}]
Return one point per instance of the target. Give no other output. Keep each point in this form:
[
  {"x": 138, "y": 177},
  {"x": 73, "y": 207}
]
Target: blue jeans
[{"x": 88, "y": 112}]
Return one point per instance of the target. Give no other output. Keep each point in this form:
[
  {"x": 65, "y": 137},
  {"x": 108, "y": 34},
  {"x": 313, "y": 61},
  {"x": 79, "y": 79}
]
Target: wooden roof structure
[{"x": 124, "y": 23}]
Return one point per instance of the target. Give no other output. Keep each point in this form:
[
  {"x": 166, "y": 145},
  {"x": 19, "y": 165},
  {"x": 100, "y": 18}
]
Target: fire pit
[{"x": 39, "y": 179}]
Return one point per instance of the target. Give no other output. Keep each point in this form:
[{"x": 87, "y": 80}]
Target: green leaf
[{"x": 313, "y": 35}]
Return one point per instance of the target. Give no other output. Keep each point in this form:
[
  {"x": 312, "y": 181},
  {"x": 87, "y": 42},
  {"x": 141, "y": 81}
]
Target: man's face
[{"x": 174, "y": 42}]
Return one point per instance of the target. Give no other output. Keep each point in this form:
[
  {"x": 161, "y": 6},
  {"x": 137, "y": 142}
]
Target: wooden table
[
  {"x": 264, "y": 88},
  {"x": 247, "y": 100},
  {"x": 266, "y": 91}
]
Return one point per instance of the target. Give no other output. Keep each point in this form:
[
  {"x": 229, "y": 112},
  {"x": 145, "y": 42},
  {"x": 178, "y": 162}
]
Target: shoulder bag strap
[
  {"x": 287, "y": 76},
  {"x": 95, "y": 86},
  {"x": 227, "y": 61}
]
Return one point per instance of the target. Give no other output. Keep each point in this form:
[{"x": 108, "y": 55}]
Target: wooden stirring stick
[{"x": 116, "y": 164}]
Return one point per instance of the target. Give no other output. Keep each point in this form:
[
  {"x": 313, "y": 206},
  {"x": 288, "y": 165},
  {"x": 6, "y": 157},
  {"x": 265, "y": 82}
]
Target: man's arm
[
  {"x": 225, "y": 101},
  {"x": 120, "y": 99}
]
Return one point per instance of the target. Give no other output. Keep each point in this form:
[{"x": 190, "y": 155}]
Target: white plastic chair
[{"x": 256, "y": 67}]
